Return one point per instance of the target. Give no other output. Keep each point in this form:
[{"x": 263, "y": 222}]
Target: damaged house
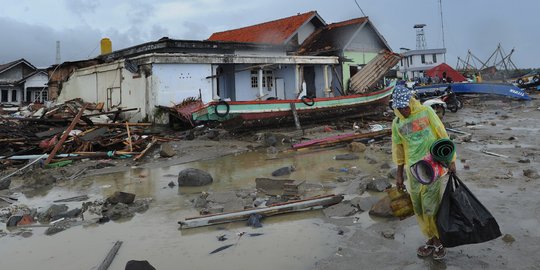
[
  {"x": 234, "y": 71},
  {"x": 167, "y": 72},
  {"x": 21, "y": 82}
]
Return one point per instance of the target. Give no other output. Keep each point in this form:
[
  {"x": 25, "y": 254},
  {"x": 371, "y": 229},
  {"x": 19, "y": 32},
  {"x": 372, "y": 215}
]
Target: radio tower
[{"x": 420, "y": 37}]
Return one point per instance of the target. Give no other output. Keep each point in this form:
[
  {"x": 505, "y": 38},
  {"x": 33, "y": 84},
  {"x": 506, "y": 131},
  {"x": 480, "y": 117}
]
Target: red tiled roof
[{"x": 273, "y": 32}]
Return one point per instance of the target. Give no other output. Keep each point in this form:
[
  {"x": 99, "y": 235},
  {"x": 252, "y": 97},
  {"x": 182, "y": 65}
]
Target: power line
[{"x": 364, "y": 14}]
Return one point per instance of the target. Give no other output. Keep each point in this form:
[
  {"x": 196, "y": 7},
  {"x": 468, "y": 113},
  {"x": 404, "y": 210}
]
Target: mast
[{"x": 442, "y": 28}]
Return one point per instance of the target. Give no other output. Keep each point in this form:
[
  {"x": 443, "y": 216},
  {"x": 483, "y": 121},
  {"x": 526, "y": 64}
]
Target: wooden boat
[
  {"x": 288, "y": 207},
  {"x": 248, "y": 114},
  {"x": 503, "y": 89}
]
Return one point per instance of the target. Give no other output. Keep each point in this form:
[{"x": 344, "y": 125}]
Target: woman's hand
[{"x": 452, "y": 167}]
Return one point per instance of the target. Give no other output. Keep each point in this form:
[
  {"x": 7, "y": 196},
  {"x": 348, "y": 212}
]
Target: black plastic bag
[{"x": 462, "y": 219}]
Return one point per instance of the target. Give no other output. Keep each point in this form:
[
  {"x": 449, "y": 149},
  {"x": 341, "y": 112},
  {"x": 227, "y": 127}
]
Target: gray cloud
[
  {"x": 81, "y": 6},
  {"x": 195, "y": 31}
]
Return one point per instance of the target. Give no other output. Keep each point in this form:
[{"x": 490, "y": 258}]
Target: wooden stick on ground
[
  {"x": 65, "y": 135},
  {"x": 110, "y": 256},
  {"x": 129, "y": 138},
  {"x": 145, "y": 150}
]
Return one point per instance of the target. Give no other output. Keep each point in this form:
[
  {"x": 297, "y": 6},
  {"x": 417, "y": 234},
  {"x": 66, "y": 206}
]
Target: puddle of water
[{"x": 155, "y": 235}]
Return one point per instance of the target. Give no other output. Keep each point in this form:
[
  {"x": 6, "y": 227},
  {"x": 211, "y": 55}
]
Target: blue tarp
[{"x": 504, "y": 89}]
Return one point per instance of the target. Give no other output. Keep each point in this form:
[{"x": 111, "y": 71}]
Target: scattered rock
[
  {"x": 531, "y": 173},
  {"x": 512, "y": 138},
  {"x": 370, "y": 160},
  {"x": 4, "y": 184},
  {"x": 221, "y": 197},
  {"x": 524, "y": 160},
  {"x": 364, "y": 204},
  {"x": 272, "y": 150},
  {"x": 388, "y": 234},
  {"x": 235, "y": 204},
  {"x": 493, "y": 123},
  {"x": 379, "y": 184},
  {"x": 269, "y": 139},
  {"x": 508, "y": 238},
  {"x": 393, "y": 173},
  {"x": 343, "y": 209},
  {"x": 382, "y": 208},
  {"x": 274, "y": 200},
  {"x": 39, "y": 179},
  {"x": 121, "y": 197},
  {"x": 385, "y": 166},
  {"x": 214, "y": 209},
  {"x": 139, "y": 265},
  {"x": 466, "y": 167},
  {"x": 200, "y": 202},
  {"x": 73, "y": 213},
  {"x": 213, "y": 135},
  {"x": 357, "y": 147},
  {"x": 19, "y": 219},
  {"x": 194, "y": 177},
  {"x": 346, "y": 157},
  {"x": 54, "y": 210},
  {"x": 283, "y": 171},
  {"x": 118, "y": 211},
  {"x": 166, "y": 150},
  {"x": 59, "y": 226},
  {"x": 171, "y": 184}
]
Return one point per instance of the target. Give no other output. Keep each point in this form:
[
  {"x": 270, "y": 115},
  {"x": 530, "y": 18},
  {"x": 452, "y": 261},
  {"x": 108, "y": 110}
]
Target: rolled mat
[
  {"x": 427, "y": 170},
  {"x": 443, "y": 151}
]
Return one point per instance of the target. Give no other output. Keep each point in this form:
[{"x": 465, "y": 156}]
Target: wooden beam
[{"x": 65, "y": 135}]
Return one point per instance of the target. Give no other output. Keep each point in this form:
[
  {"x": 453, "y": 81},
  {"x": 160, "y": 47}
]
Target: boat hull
[
  {"x": 503, "y": 89},
  {"x": 278, "y": 112}
]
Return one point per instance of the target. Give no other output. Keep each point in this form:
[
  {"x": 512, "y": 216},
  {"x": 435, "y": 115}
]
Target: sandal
[
  {"x": 425, "y": 250},
  {"x": 439, "y": 253}
]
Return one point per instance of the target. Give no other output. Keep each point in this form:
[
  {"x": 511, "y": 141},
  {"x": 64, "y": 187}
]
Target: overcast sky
[{"x": 30, "y": 28}]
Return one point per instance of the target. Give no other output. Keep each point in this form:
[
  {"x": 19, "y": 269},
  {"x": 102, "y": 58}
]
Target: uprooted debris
[{"x": 70, "y": 131}]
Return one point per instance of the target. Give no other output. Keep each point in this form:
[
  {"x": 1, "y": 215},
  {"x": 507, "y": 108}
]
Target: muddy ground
[{"x": 310, "y": 240}]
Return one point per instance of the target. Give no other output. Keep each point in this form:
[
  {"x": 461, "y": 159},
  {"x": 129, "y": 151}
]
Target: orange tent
[{"x": 444, "y": 70}]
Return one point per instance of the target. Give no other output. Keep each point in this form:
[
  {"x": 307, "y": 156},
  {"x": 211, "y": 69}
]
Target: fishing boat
[
  {"x": 503, "y": 89},
  {"x": 247, "y": 114}
]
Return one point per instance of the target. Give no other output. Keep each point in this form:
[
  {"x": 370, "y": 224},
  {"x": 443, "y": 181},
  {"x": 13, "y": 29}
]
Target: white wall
[
  {"x": 243, "y": 84},
  {"x": 366, "y": 40},
  {"x": 305, "y": 31},
  {"x": 38, "y": 80},
  {"x": 175, "y": 82},
  {"x": 287, "y": 73}
]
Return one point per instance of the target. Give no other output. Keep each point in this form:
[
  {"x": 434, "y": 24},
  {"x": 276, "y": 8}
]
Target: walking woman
[{"x": 414, "y": 130}]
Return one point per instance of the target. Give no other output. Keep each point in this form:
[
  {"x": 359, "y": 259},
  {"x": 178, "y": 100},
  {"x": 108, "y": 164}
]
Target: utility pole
[
  {"x": 442, "y": 28},
  {"x": 58, "y": 59}
]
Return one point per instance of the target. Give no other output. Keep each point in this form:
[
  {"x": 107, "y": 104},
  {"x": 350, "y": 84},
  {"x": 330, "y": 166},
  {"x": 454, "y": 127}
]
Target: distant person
[
  {"x": 414, "y": 129},
  {"x": 429, "y": 80},
  {"x": 449, "y": 79}
]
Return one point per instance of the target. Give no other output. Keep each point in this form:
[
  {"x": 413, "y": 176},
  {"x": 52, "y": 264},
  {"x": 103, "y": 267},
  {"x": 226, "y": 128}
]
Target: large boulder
[
  {"x": 194, "y": 177},
  {"x": 166, "y": 150},
  {"x": 139, "y": 265},
  {"x": 121, "y": 197},
  {"x": 283, "y": 171}
]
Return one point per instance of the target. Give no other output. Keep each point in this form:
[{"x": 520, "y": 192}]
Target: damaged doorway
[
  {"x": 309, "y": 78},
  {"x": 114, "y": 97}
]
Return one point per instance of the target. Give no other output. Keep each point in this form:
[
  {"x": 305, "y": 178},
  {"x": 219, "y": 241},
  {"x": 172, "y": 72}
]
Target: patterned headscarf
[{"x": 401, "y": 97}]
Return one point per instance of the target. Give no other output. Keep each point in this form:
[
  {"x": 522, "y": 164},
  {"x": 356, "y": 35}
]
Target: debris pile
[{"x": 70, "y": 131}]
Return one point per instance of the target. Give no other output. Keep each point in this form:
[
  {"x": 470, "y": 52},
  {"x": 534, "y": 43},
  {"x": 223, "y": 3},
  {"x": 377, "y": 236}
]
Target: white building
[
  {"x": 415, "y": 62},
  {"x": 21, "y": 82}
]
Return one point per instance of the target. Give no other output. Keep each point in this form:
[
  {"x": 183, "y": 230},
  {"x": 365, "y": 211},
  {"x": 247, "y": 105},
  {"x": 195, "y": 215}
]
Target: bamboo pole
[{"x": 129, "y": 137}]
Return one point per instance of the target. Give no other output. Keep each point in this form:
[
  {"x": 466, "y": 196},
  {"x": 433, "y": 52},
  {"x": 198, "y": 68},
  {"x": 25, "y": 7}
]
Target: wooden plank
[
  {"x": 145, "y": 150},
  {"x": 129, "y": 138},
  {"x": 110, "y": 256},
  {"x": 295, "y": 115},
  {"x": 330, "y": 141},
  {"x": 288, "y": 207},
  {"x": 65, "y": 135}
]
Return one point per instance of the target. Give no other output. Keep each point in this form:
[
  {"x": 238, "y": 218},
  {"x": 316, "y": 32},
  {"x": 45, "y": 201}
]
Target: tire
[
  {"x": 439, "y": 110},
  {"x": 460, "y": 103},
  {"x": 453, "y": 108},
  {"x": 305, "y": 100},
  {"x": 228, "y": 108}
]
